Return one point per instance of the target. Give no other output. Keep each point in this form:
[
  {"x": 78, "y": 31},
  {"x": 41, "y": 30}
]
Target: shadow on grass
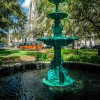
[
  {"x": 7, "y": 52},
  {"x": 31, "y": 53},
  {"x": 9, "y": 60}
]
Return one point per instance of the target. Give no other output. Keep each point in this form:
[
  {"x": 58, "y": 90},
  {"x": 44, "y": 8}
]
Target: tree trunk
[
  {"x": 73, "y": 44},
  {"x": 98, "y": 51}
]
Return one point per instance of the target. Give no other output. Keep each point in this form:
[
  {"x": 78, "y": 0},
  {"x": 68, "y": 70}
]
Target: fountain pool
[{"x": 28, "y": 85}]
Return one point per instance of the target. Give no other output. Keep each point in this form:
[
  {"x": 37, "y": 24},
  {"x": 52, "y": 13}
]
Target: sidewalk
[{"x": 27, "y": 58}]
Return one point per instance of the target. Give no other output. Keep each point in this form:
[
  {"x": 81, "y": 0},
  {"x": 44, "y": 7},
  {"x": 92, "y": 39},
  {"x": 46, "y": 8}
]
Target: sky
[{"x": 25, "y": 4}]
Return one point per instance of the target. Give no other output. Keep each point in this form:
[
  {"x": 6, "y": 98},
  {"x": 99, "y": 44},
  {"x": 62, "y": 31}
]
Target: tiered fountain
[
  {"x": 27, "y": 85},
  {"x": 57, "y": 76}
]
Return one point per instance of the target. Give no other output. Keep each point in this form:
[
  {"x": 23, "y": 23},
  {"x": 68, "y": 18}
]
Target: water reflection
[{"x": 28, "y": 86}]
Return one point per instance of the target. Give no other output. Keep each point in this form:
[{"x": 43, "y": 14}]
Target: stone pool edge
[{"x": 16, "y": 67}]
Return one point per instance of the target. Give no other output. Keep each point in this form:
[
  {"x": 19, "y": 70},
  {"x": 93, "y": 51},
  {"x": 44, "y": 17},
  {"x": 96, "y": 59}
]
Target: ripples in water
[{"x": 28, "y": 86}]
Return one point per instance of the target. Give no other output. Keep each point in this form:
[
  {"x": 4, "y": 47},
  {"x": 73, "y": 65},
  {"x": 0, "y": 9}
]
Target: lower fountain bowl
[
  {"x": 57, "y": 1},
  {"x": 56, "y": 83},
  {"x": 58, "y": 15}
]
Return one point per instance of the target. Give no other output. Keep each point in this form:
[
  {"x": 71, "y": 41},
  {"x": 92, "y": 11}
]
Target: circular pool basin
[{"x": 27, "y": 85}]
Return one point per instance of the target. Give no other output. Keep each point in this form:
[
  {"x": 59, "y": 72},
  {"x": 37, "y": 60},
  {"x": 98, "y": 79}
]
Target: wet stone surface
[{"x": 28, "y": 86}]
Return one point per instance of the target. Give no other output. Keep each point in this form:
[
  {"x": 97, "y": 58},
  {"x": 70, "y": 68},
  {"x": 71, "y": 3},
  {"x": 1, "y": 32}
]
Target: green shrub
[
  {"x": 95, "y": 59},
  {"x": 41, "y": 57},
  {"x": 71, "y": 57},
  {"x": 0, "y": 62},
  {"x": 31, "y": 53},
  {"x": 83, "y": 58}
]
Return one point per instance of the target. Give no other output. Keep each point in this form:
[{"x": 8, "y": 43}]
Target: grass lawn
[
  {"x": 85, "y": 55},
  {"x": 7, "y": 53},
  {"x": 11, "y": 55}
]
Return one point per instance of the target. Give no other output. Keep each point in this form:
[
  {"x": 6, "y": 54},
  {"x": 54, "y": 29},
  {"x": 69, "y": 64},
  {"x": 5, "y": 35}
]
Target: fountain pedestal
[{"x": 57, "y": 76}]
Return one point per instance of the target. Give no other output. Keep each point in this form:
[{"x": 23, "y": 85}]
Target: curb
[{"x": 13, "y": 68}]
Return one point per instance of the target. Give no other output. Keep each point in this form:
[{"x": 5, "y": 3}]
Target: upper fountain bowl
[
  {"x": 57, "y": 15},
  {"x": 57, "y": 1},
  {"x": 58, "y": 41}
]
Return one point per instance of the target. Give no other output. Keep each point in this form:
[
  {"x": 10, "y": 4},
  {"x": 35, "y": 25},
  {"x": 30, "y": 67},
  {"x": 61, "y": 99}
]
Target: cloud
[{"x": 26, "y": 3}]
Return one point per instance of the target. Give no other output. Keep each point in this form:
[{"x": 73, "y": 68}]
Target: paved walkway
[
  {"x": 27, "y": 58},
  {"x": 30, "y": 58}
]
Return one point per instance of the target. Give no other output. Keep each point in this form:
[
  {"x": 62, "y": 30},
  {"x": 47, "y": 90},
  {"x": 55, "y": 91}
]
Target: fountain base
[{"x": 56, "y": 83}]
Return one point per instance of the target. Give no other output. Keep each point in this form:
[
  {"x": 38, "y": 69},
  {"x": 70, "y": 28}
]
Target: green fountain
[{"x": 57, "y": 76}]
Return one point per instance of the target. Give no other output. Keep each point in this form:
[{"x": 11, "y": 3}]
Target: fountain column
[{"x": 57, "y": 76}]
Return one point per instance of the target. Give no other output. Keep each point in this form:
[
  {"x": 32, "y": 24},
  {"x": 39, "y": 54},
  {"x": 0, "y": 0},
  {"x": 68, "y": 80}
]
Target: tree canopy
[
  {"x": 12, "y": 16},
  {"x": 84, "y": 16}
]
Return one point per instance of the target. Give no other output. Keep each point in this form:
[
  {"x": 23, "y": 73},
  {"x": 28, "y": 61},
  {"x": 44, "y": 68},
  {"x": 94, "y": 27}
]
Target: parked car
[
  {"x": 47, "y": 46},
  {"x": 1, "y": 46},
  {"x": 95, "y": 47},
  {"x": 84, "y": 47}
]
